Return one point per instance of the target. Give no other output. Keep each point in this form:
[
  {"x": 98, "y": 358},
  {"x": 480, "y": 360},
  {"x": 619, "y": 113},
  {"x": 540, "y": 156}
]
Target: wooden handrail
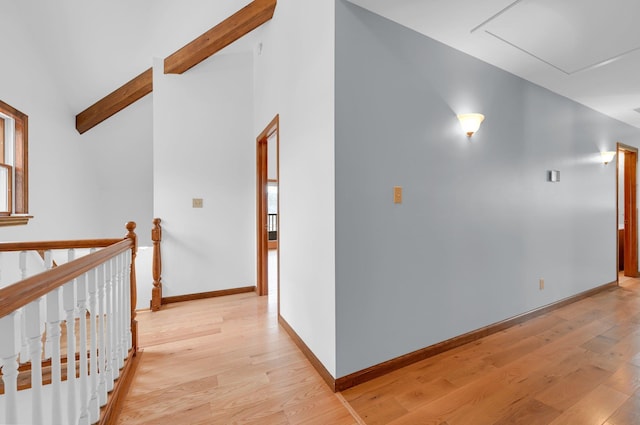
[
  {"x": 46, "y": 245},
  {"x": 156, "y": 292},
  {"x": 19, "y": 294}
]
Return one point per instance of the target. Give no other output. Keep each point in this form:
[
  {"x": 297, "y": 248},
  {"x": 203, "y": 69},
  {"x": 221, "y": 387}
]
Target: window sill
[{"x": 14, "y": 220}]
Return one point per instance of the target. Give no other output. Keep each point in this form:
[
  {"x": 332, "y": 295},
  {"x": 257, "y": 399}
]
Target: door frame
[
  {"x": 630, "y": 240},
  {"x": 262, "y": 239}
]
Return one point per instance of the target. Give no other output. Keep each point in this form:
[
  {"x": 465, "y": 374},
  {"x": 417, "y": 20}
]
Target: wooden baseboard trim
[
  {"x": 317, "y": 364},
  {"x": 381, "y": 369},
  {"x": 203, "y": 295},
  {"x": 109, "y": 413}
]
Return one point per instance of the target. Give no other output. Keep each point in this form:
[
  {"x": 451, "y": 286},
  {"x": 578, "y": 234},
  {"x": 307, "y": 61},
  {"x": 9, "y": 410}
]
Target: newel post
[
  {"x": 156, "y": 292},
  {"x": 131, "y": 226}
]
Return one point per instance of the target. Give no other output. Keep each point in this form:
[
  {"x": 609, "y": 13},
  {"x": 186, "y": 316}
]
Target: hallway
[{"x": 225, "y": 360}]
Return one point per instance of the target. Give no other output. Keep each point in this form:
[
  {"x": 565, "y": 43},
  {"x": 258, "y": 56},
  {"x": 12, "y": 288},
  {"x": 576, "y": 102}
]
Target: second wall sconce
[
  {"x": 607, "y": 156},
  {"x": 470, "y": 122}
]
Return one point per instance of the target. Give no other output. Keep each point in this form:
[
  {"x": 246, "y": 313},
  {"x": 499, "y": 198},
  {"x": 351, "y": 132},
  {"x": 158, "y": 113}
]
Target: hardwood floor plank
[
  {"x": 628, "y": 413},
  {"x": 618, "y": 332},
  {"x": 530, "y": 412},
  {"x": 599, "y": 344},
  {"x": 625, "y": 380},
  {"x": 523, "y": 347},
  {"x": 593, "y": 409},
  {"x": 382, "y": 411},
  {"x": 420, "y": 393},
  {"x": 322, "y": 410},
  {"x": 573, "y": 387}
]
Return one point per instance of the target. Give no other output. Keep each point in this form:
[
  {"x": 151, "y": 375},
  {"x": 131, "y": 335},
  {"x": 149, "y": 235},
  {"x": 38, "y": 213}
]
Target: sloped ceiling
[
  {"x": 93, "y": 47},
  {"x": 586, "y": 50}
]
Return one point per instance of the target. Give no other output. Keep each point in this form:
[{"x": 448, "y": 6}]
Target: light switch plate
[
  {"x": 397, "y": 194},
  {"x": 197, "y": 203}
]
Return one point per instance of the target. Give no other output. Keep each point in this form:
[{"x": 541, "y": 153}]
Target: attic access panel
[{"x": 569, "y": 35}]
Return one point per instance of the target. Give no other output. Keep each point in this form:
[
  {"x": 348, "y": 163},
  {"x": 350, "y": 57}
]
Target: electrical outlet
[
  {"x": 197, "y": 203},
  {"x": 541, "y": 284}
]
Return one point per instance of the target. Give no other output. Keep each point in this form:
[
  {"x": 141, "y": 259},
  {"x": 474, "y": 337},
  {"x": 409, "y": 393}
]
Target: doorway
[
  {"x": 627, "y": 212},
  {"x": 268, "y": 208}
]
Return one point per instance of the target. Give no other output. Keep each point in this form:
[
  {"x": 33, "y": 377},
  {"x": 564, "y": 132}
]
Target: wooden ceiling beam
[
  {"x": 231, "y": 29},
  {"x": 226, "y": 32},
  {"x": 116, "y": 101}
]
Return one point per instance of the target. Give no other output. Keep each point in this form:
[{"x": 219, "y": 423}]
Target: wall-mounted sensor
[{"x": 553, "y": 176}]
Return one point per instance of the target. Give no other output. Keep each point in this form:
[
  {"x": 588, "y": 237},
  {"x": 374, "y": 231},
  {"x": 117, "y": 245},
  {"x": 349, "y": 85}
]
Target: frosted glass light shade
[
  {"x": 470, "y": 122},
  {"x": 607, "y": 156}
]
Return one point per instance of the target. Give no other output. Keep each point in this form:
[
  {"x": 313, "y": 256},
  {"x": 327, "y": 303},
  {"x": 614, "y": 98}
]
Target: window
[
  {"x": 272, "y": 210},
  {"x": 14, "y": 188}
]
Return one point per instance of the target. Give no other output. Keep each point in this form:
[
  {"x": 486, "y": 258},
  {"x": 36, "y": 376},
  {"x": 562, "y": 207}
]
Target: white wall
[
  {"x": 204, "y": 147},
  {"x": 272, "y": 157},
  {"x": 294, "y": 77},
  {"x": 89, "y": 185},
  {"x": 144, "y": 277},
  {"x": 122, "y": 150},
  {"x": 68, "y": 194}
]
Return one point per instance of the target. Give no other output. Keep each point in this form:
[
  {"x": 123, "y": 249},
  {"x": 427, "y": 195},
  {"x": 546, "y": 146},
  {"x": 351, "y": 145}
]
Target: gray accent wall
[{"x": 479, "y": 225}]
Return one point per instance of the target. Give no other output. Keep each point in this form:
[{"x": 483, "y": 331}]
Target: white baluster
[
  {"x": 34, "y": 335},
  {"x": 102, "y": 349},
  {"x": 68, "y": 302},
  {"x": 48, "y": 264},
  {"x": 9, "y": 349},
  {"x": 110, "y": 374},
  {"x": 81, "y": 288},
  {"x": 118, "y": 360},
  {"x": 94, "y": 408},
  {"x": 53, "y": 335},
  {"x": 123, "y": 307},
  {"x": 22, "y": 259},
  {"x": 24, "y": 352},
  {"x": 127, "y": 276}
]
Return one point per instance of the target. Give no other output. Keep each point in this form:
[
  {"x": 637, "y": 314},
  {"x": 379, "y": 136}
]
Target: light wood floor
[
  {"x": 225, "y": 361},
  {"x": 577, "y": 365}
]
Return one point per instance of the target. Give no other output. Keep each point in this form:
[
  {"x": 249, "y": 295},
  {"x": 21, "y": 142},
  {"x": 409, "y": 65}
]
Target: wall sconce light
[
  {"x": 607, "y": 156},
  {"x": 470, "y": 122}
]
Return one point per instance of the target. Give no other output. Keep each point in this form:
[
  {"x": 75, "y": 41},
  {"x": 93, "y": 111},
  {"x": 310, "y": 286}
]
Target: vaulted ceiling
[
  {"x": 586, "y": 50},
  {"x": 93, "y": 47}
]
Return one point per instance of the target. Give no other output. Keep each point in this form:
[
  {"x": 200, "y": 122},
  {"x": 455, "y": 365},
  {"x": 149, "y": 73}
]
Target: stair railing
[{"x": 84, "y": 311}]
